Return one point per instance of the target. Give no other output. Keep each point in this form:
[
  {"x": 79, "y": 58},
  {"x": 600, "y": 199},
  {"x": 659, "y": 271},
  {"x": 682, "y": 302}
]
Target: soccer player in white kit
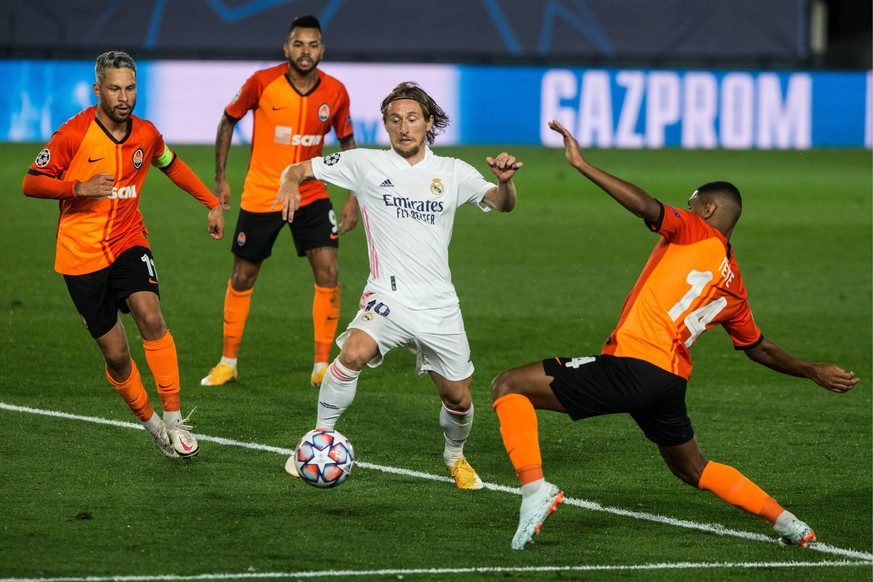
[{"x": 408, "y": 197}]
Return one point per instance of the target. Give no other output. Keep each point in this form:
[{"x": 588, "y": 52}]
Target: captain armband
[{"x": 164, "y": 159}]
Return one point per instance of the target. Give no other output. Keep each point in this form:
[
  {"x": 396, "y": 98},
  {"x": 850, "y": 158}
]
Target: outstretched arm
[
  {"x": 503, "y": 197},
  {"x": 635, "y": 199},
  {"x": 288, "y": 196},
  {"x": 828, "y": 376}
]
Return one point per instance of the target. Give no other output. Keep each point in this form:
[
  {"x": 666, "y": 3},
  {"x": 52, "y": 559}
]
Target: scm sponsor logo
[{"x": 123, "y": 192}]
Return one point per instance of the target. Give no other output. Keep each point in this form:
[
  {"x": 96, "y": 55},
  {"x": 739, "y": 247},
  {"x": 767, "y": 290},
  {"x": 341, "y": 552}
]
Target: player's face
[
  {"x": 117, "y": 94},
  {"x": 407, "y": 127},
  {"x": 304, "y": 49}
]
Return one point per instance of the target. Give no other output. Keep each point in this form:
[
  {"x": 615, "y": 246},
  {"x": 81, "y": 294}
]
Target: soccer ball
[{"x": 324, "y": 458}]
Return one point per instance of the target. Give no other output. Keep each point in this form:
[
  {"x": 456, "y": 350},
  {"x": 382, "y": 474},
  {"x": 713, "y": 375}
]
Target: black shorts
[
  {"x": 98, "y": 296},
  {"x": 598, "y": 385},
  {"x": 314, "y": 227}
]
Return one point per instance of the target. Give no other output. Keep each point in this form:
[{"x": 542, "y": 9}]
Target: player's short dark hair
[
  {"x": 112, "y": 60},
  {"x": 304, "y": 21},
  {"x": 411, "y": 90},
  {"x": 725, "y": 190}
]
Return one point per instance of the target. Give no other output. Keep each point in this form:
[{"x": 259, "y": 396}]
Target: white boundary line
[
  {"x": 859, "y": 558},
  {"x": 443, "y": 571}
]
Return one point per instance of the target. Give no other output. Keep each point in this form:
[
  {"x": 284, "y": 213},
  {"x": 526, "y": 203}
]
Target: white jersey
[{"x": 408, "y": 213}]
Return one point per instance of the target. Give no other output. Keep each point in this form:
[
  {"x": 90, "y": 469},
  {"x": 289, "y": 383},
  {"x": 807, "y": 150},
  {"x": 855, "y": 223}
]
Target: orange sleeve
[
  {"x": 185, "y": 178},
  {"x": 42, "y": 186}
]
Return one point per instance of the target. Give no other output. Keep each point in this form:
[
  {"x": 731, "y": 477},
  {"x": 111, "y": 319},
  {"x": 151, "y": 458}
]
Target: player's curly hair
[
  {"x": 411, "y": 90},
  {"x": 112, "y": 60}
]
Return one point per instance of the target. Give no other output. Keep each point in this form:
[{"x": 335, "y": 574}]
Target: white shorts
[{"x": 436, "y": 336}]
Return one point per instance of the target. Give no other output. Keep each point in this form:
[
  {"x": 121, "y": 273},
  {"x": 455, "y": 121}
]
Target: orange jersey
[
  {"x": 92, "y": 233},
  {"x": 691, "y": 283},
  {"x": 288, "y": 128}
]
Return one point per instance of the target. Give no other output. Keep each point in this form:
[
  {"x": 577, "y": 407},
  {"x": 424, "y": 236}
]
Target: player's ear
[
  {"x": 96, "y": 89},
  {"x": 710, "y": 208}
]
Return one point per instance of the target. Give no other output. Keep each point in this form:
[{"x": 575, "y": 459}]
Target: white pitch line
[
  {"x": 590, "y": 505},
  {"x": 400, "y": 573}
]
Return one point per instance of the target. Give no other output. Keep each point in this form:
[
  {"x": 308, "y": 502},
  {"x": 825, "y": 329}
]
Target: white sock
[
  {"x": 336, "y": 393},
  {"x": 229, "y": 361},
  {"x": 785, "y": 518},
  {"x": 456, "y": 428},
  {"x": 172, "y": 418},
  {"x": 153, "y": 423},
  {"x": 318, "y": 366},
  {"x": 530, "y": 488}
]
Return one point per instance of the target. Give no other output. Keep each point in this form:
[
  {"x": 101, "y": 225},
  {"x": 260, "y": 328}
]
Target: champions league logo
[
  {"x": 43, "y": 158},
  {"x": 331, "y": 160}
]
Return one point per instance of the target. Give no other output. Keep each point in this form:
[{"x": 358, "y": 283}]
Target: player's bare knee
[
  {"x": 501, "y": 385},
  {"x": 151, "y": 325},
  {"x": 327, "y": 277},
  {"x": 458, "y": 405},
  {"x": 118, "y": 365},
  {"x": 354, "y": 357}
]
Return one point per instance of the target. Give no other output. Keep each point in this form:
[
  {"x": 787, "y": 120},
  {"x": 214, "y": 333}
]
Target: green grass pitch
[{"x": 83, "y": 499}]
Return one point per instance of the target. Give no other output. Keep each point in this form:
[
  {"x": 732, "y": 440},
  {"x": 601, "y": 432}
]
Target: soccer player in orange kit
[
  {"x": 294, "y": 106},
  {"x": 95, "y": 165},
  {"x": 691, "y": 283}
]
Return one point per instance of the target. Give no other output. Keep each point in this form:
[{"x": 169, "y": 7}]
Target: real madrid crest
[
  {"x": 436, "y": 187},
  {"x": 137, "y": 158}
]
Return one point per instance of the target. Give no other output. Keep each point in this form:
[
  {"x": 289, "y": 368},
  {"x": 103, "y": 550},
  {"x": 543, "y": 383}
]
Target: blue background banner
[{"x": 604, "y": 107}]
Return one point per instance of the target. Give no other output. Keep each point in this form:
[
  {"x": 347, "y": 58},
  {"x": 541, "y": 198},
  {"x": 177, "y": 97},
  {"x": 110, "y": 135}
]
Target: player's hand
[
  {"x": 571, "y": 146},
  {"x": 834, "y": 378},
  {"x": 350, "y": 214},
  {"x": 222, "y": 192},
  {"x": 216, "y": 222},
  {"x": 97, "y": 186},
  {"x": 503, "y": 166},
  {"x": 288, "y": 199}
]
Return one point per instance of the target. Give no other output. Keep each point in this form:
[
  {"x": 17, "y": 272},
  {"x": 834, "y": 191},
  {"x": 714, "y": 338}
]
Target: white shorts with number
[{"x": 436, "y": 336}]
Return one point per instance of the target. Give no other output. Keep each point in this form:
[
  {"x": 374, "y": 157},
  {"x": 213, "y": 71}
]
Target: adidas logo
[{"x": 386, "y": 184}]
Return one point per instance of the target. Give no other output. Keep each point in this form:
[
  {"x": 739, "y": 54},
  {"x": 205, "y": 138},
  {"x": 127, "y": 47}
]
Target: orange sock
[
  {"x": 161, "y": 357},
  {"x": 325, "y": 317},
  {"x": 518, "y": 427},
  {"x": 236, "y": 312},
  {"x": 133, "y": 393},
  {"x": 732, "y": 486}
]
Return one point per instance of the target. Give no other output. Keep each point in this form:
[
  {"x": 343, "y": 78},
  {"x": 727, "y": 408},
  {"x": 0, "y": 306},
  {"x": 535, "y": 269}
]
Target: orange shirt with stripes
[
  {"x": 690, "y": 283},
  {"x": 288, "y": 128},
  {"x": 92, "y": 233}
]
